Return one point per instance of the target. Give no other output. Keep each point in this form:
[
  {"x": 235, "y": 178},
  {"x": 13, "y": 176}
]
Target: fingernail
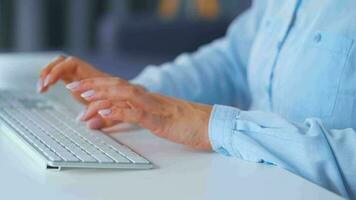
[
  {"x": 73, "y": 85},
  {"x": 81, "y": 115},
  {"x": 46, "y": 80},
  {"x": 88, "y": 94},
  {"x": 104, "y": 112},
  {"x": 94, "y": 123},
  {"x": 39, "y": 85}
]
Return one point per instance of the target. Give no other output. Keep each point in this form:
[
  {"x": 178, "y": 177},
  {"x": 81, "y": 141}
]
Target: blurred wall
[
  {"x": 125, "y": 33},
  {"x": 107, "y": 25}
]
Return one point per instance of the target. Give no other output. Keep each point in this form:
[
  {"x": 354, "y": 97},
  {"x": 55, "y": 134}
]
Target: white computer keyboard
[{"x": 57, "y": 140}]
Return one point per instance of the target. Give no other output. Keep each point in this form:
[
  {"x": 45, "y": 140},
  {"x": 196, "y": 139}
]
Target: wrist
[{"x": 204, "y": 116}]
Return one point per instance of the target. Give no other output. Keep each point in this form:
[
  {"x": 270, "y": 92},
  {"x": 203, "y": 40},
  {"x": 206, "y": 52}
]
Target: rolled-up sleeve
[{"x": 325, "y": 157}]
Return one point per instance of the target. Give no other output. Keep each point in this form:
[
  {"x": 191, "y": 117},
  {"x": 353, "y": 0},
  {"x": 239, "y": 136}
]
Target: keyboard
[{"x": 49, "y": 132}]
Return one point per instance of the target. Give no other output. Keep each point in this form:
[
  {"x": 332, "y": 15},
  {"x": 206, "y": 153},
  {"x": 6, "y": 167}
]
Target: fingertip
[
  {"x": 59, "y": 57},
  {"x": 105, "y": 112},
  {"x": 39, "y": 86},
  {"x": 87, "y": 95},
  {"x": 73, "y": 85},
  {"x": 94, "y": 123},
  {"x": 47, "y": 80},
  {"x": 81, "y": 116},
  {"x": 43, "y": 90}
]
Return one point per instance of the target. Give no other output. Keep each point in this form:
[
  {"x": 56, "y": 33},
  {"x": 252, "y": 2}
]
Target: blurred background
[{"x": 118, "y": 36}]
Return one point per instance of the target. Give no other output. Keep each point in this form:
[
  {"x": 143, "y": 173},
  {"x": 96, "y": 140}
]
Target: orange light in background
[
  {"x": 208, "y": 8},
  {"x": 168, "y": 8}
]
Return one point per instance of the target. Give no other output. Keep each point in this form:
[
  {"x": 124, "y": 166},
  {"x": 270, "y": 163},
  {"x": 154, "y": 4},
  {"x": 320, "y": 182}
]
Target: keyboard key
[
  {"x": 128, "y": 153},
  {"x": 67, "y": 143},
  {"x": 103, "y": 158},
  {"x": 114, "y": 155},
  {"x": 52, "y": 156},
  {"x": 34, "y": 141}
]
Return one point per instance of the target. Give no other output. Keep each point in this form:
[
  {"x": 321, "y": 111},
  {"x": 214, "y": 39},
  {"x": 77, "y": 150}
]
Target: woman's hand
[
  {"x": 117, "y": 100},
  {"x": 67, "y": 69}
]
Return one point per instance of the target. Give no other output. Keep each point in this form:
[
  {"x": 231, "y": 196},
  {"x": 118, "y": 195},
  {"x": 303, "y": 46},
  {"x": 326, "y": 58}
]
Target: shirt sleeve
[
  {"x": 325, "y": 157},
  {"x": 216, "y": 73}
]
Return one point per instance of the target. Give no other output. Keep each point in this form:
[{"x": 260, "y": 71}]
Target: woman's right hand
[
  {"x": 70, "y": 69},
  {"x": 67, "y": 69}
]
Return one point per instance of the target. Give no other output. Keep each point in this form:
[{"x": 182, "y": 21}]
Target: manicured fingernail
[
  {"x": 81, "y": 115},
  {"x": 73, "y": 85},
  {"x": 39, "y": 85},
  {"x": 46, "y": 80},
  {"x": 94, "y": 123},
  {"x": 104, "y": 112},
  {"x": 88, "y": 94}
]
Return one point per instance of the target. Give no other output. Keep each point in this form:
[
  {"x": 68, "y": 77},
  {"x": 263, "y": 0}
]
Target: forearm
[
  {"x": 204, "y": 76},
  {"x": 216, "y": 73}
]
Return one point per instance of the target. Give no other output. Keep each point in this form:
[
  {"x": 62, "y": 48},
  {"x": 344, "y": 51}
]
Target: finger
[
  {"x": 95, "y": 83},
  {"x": 119, "y": 127},
  {"x": 94, "y": 107},
  {"x": 97, "y": 122},
  {"x": 45, "y": 71},
  {"x": 144, "y": 119},
  {"x": 136, "y": 97},
  {"x": 68, "y": 66}
]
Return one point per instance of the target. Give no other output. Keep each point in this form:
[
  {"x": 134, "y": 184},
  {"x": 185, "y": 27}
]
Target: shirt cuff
[{"x": 221, "y": 125}]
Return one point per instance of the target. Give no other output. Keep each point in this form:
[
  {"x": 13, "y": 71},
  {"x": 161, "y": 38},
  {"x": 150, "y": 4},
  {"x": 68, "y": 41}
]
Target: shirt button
[{"x": 317, "y": 37}]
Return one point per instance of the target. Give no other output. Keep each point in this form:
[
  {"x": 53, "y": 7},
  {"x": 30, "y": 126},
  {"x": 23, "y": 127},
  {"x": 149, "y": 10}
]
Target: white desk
[{"x": 182, "y": 173}]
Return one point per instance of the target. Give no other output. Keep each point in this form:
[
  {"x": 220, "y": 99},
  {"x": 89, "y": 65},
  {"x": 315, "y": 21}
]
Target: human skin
[{"x": 110, "y": 100}]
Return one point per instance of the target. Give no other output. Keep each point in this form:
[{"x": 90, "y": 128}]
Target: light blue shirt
[{"x": 287, "y": 70}]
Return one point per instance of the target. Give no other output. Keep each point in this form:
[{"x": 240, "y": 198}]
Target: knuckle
[
  {"x": 104, "y": 103},
  {"x": 71, "y": 59},
  {"x": 106, "y": 90},
  {"x": 118, "y": 82},
  {"x": 91, "y": 81},
  {"x": 133, "y": 91},
  {"x": 110, "y": 93},
  {"x": 118, "y": 113},
  {"x": 60, "y": 57},
  {"x": 86, "y": 82},
  {"x": 82, "y": 83},
  {"x": 99, "y": 95}
]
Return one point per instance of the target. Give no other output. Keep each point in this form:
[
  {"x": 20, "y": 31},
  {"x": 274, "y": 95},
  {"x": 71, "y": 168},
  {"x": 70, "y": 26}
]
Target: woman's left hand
[{"x": 117, "y": 100}]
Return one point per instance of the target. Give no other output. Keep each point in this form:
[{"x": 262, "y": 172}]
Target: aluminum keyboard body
[{"x": 57, "y": 140}]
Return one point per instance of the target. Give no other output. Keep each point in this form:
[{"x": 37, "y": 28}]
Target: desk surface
[{"x": 182, "y": 173}]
